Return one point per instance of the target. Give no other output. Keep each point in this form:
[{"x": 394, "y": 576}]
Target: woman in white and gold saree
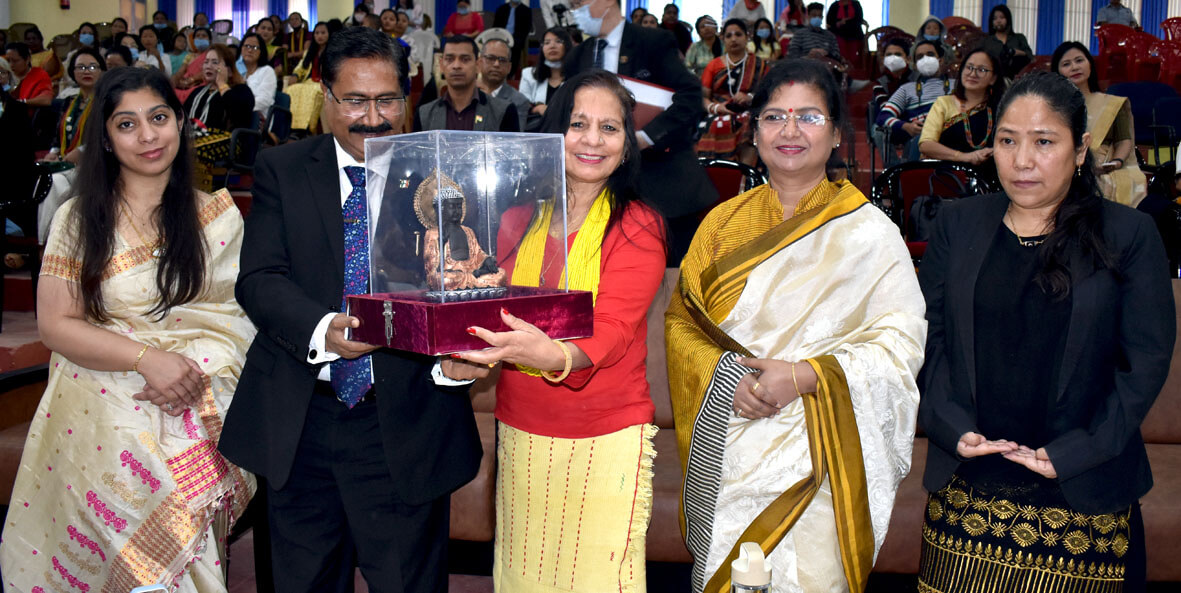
[
  {"x": 121, "y": 483},
  {"x": 793, "y": 341}
]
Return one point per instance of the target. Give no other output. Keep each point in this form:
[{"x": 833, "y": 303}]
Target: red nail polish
[
  {"x": 471, "y": 330},
  {"x": 454, "y": 355},
  {"x": 503, "y": 311}
]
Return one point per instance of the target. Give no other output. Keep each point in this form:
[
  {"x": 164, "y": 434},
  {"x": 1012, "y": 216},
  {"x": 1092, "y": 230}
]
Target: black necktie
[{"x": 600, "y": 52}]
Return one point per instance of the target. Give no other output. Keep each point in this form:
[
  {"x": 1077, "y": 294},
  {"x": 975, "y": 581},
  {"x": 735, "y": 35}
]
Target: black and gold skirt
[{"x": 1017, "y": 540}]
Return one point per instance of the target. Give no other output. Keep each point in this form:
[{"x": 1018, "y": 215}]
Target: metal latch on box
[{"x": 387, "y": 311}]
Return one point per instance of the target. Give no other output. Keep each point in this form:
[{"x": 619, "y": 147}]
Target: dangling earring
[
  {"x": 755, "y": 141},
  {"x": 1078, "y": 171}
]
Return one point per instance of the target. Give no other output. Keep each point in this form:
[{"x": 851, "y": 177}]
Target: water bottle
[{"x": 749, "y": 573}]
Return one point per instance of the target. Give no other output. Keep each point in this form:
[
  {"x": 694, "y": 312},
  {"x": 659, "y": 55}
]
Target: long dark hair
[
  {"x": 622, "y": 182},
  {"x": 180, "y": 275},
  {"x": 754, "y": 34},
  {"x": 996, "y": 91},
  {"x": 314, "y": 48},
  {"x": 1001, "y": 8},
  {"x": 541, "y": 72},
  {"x": 1078, "y": 222},
  {"x": 1060, "y": 52}
]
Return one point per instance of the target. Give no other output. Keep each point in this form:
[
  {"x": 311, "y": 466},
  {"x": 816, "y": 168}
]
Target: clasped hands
[
  {"x": 763, "y": 393},
  {"x": 974, "y": 444},
  {"x": 174, "y": 381}
]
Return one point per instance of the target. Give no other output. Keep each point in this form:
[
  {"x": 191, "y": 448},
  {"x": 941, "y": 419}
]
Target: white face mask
[
  {"x": 553, "y": 63},
  {"x": 894, "y": 63},
  {"x": 586, "y": 23},
  {"x": 927, "y": 65}
]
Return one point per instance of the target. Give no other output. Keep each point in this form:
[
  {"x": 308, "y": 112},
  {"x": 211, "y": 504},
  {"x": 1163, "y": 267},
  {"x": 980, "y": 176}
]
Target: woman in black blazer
[{"x": 1051, "y": 329}]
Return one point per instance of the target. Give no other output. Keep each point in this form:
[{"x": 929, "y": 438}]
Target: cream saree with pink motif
[{"x": 113, "y": 493}]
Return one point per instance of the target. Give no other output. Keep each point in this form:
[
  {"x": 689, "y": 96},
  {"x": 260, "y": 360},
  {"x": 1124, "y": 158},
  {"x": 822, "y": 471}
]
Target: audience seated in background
[
  {"x": 933, "y": 29},
  {"x": 1110, "y": 123},
  {"x": 794, "y": 15},
  {"x": 150, "y": 53},
  {"x": 179, "y": 49},
  {"x": 670, "y": 20},
  {"x": 540, "y": 82},
  {"x": 40, "y": 56},
  {"x": 813, "y": 41},
  {"x": 191, "y": 73},
  {"x": 119, "y": 25},
  {"x": 260, "y": 77},
  {"x": 495, "y": 63},
  {"x": 637, "y": 15},
  {"x": 277, "y": 56},
  {"x": 162, "y": 26},
  {"x": 119, "y": 57},
  {"x": 307, "y": 96},
  {"x": 1116, "y": 13},
  {"x": 33, "y": 85},
  {"x": 1011, "y": 47},
  {"x": 904, "y": 113},
  {"x": 701, "y": 53},
  {"x": 763, "y": 42},
  {"x": 461, "y": 104},
  {"x": 960, "y": 126},
  {"x": 649, "y": 21},
  {"x": 224, "y": 102},
  {"x": 463, "y": 21},
  {"x": 896, "y": 68},
  {"x": 296, "y": 38},
  {"x": 730, "y": 83}
]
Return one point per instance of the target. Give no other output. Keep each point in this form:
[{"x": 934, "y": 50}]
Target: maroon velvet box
[{"x": 426, "y": 326}]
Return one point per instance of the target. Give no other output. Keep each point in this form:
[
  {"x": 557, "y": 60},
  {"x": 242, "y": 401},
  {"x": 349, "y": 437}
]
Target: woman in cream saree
[
  {"x": 117, "y": 488},
  {"x": 828, "y": 287}
]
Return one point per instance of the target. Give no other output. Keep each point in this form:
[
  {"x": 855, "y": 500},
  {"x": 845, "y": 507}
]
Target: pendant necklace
[
  {"x": 1031, "y": 241},
  {"x": 154, "y": 246},
  {"x": 730, "y": 78}
]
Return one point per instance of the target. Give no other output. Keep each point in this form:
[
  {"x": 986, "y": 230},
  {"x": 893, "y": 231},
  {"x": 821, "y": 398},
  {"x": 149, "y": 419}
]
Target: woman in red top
[
  {"x": 574, "y": 485},
  {"x": 464, "y": 21}
]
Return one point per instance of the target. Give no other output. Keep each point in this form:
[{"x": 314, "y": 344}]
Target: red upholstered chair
[
  {"x": 953, "y": 21},
  {"x": 1170, "y": 70},
  {"x": 895, "y": 190},
  {"x": 1039, "y": 63},
  {"x": 1112, "y": 60},
  {"x": 730, "y": 179},
  {"x": 964, "y": 37}
]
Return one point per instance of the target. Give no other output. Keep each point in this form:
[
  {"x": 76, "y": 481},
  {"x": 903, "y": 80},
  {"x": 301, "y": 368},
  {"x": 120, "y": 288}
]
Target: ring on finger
[
  {"x": 168, "y": 406},
  {"x": 755, "y": 387}
]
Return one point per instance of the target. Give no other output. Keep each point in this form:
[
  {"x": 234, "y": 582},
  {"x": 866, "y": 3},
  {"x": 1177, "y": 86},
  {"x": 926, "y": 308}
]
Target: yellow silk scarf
[{"x": 583, "y": 260}]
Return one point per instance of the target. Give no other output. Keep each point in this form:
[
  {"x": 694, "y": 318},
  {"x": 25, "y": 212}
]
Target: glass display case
[{"x": 447, "y": 212}]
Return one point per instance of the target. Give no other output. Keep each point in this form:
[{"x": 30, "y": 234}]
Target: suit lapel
[
  {"x": 979, "y": 237},
  {"x": 627, "y": 53},
  {"x": 1082, "y": 307},
  {"x": 324, "y": 180}
]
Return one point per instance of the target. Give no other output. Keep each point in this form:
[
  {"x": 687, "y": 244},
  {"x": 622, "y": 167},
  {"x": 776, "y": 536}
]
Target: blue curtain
[
  {"x": 986, "y": 8},
  {"x": 312, "y": 15},
  {"x": 241, "y": 17},
  {"x": 278, "y": 7},
  {"x": 443, "y": 10},
  {"x": 205, "y": 6},
  {"x": 942, "y": 8},
  {"x": 1050, "y": 26},
  {"x": 885, "y": 12},
  {"x": 169, "y": 8},
  {"x": 1095, "y": 6},
  {"x": 726, "y": 6},
  {"x": 1151, "y": 15},
  {"x": 490, "y": 7}
]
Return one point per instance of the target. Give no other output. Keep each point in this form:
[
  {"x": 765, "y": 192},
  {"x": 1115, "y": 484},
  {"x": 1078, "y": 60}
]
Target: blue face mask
[
  {"x": 160, "y": 25},
  {"x": 763, "y": 33},
  {"x": 930, "y": 37},
  {"x": 201, "y": 44},
  {"x": 462, "y": 10},
  {"x": 7, "y": 87},
  {"x": 86, "y": 38},
  {"x": 241, "y": 66},
  {"x": 817, "y": 22},
  {"x": 134, "y": 54}
]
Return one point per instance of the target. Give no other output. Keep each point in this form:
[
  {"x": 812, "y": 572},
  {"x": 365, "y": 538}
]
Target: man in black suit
[
  {"x": 360, "y": 447},
  {"x": 518, "y": 19},
  {"x": 671, "y": 180}
]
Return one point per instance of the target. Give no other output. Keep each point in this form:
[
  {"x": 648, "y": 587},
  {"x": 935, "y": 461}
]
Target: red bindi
[{"x": 790, "y": 110}]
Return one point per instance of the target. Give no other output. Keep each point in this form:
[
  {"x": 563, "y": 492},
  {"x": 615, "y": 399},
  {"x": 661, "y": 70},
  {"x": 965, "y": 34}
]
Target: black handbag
[{"x": 942, "y": 186}]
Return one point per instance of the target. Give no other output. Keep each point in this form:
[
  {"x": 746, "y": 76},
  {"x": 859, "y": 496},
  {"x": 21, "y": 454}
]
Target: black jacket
[
  {"x": 672, "y": 181},
  {"x": 291, "y": 275},
  {"x": 524, "y": 24},
  {"x": 1118, "y": 347}
]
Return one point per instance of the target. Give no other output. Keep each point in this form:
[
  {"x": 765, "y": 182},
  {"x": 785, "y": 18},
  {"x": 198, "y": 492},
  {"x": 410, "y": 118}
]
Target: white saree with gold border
[
  {"x": 112, "y": 493},
  {"x": 814, "y": 484}
]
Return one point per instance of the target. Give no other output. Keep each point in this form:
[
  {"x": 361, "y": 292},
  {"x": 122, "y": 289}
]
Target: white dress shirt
[{"x": 263, "y": 83}]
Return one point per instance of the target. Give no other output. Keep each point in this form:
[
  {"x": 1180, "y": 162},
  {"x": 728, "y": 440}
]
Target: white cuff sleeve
[
  {"x": 443, "y": 380},
  {"x": 645, "y": 137},
  {"x": 317, "y": 353}
]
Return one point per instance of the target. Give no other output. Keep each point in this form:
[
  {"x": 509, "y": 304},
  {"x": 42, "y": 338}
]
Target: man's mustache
[{"x": 381, "y": 128}]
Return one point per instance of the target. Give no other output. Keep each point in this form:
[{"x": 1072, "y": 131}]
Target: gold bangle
[
  {"x": 139, "y": 357},
  {"x": 566, "y": 371},
  {"x": 793, "y": 380}
]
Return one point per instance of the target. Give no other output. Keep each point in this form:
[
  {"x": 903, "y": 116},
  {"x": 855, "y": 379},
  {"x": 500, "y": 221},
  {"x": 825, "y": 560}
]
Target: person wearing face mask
[
  {"x": 1012, "y": 48},
  {"x": 517, "y": 18},
  {"x": 190, "y": 75},
  {"x": 161, "y": 23},
  {"x": 464, "y": 21},
  {"x": 895, "y": 66},
  {"x": 540, "y": 82},
  {"x": 87, "y": 36},
  {"x": 933, "y": 29},
  {"x": 905, "y": 111},
  {"x": 817, "y": 43},
  {"x": 673, "y": 181},
  {"x": 763, "y": 43},
  {"x": 361, "y": 11}
]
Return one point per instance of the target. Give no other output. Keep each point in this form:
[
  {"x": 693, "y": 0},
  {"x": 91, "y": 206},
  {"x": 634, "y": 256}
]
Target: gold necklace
[
  {"x": 1023, "y": 241},
  {"x": 154, "y": 246}
]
